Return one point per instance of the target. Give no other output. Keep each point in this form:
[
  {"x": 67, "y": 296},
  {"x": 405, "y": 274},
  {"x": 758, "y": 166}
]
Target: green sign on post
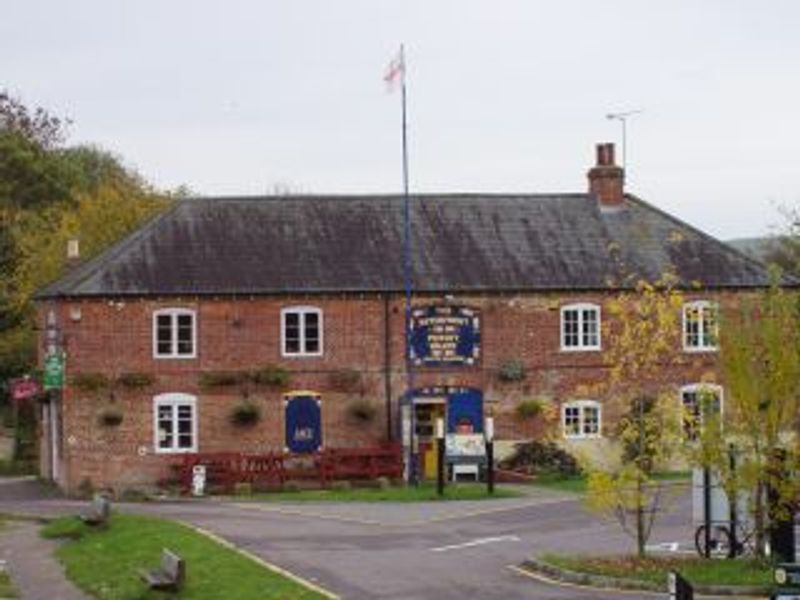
[{"x": 54, "y": 371}]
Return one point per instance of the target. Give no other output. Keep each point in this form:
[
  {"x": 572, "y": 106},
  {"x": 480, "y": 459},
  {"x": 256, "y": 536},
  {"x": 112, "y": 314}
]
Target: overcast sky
[{"x": 239, "y": 97}]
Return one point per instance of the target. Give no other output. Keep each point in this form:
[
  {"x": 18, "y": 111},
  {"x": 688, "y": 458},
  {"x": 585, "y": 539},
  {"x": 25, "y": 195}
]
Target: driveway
[{"x": 423, "y": 550}]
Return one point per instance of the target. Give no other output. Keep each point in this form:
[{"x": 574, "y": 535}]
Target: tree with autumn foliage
[
  {"x": 760, "y": 356},
  {"x": 643, "y": 341},
  {"x": 49, "y": 193}
]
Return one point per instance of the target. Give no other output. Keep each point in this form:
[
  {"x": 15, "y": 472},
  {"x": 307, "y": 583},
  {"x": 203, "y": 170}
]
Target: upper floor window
[
  {"x": 174, "y": 333},
  {"x": 580, "y": 327},
  {"x": 581, "y": 419},
  {"x": 175, "y": 418},
  {"x": 700, "y": 326},
  {"x": 699, "y": 402},
  {"x": 301, "y": 331}
]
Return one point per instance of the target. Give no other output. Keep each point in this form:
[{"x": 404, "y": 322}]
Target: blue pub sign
[
  {"x": 444, "y": 336},
  {"x": 303, "y": 422}
]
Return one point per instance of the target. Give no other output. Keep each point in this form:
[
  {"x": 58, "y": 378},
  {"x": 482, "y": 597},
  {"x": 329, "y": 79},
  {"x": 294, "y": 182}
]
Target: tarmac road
[{"x": 409, "y": 551}]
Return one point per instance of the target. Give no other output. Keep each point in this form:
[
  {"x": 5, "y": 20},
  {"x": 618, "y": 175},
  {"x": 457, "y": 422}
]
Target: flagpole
[{"x": 407, "y": 276}]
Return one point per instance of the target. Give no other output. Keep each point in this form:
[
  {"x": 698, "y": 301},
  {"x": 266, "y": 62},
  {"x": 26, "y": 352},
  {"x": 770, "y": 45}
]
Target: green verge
[
  {"x": 577, "y": 484},
  {"x": 6, "y": 589},
  {"x": 423, "y": 493},
  {"x": 698, "y": 571},
  {"x": 105, "y": 562}
]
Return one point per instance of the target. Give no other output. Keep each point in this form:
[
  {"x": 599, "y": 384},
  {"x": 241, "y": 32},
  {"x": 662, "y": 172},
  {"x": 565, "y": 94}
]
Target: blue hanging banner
[
  {"x": 464, "y": 410},
  {"x": 303, "y": 423},
  {"x": 444, "y": 335}
]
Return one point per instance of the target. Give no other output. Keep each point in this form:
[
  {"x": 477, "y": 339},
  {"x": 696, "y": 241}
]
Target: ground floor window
[
  {"x": 175, "y": 423},
  {"x": 699, "y": 402},
  {"x": 581, "y": 419}
]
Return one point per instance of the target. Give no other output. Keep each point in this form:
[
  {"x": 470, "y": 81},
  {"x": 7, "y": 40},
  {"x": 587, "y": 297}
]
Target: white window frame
[
  {"x": 174, "y": 313},
  {"x": 581, "y": 405},
  {"x": 174, "y": 400},
  {"x": 696, "y": 388},
  {"x": 302, "y": 311},
  {"x": 701, "y": 306},
  {"x": 582, "y": 346}
]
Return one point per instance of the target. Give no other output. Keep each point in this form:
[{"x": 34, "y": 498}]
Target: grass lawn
[
  {"x": 655, "y": 568},
  {"x": 6, "y": 589},
  {"x": 104, "y": 563},
  {"x": 577, "y": 484},
  {"x": 424, "y": 492}
]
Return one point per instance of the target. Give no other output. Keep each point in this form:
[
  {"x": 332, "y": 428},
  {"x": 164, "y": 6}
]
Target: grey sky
[{"x": 235, "y": 97}]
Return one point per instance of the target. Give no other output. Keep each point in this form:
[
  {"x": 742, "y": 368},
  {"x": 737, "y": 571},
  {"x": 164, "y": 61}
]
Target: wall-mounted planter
[
  {"x": 361, "y": 410},
  {"x": 271, "y": 376},
  {"x": 245, "y": 414},
  {"x": 110, "y": 417},
  {"x": 511, "y": 370}
]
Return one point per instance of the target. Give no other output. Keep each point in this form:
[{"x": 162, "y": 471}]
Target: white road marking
[
  {"x": 664, "y": 547},
  {"x": 478, "y": 542}
]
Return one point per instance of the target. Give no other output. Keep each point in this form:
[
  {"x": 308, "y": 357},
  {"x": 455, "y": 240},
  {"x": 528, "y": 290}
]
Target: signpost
[
  {"x": 678, "y": 587},
  {"x": 440, "y": 456},
  {"x": 489, "y": 434}
]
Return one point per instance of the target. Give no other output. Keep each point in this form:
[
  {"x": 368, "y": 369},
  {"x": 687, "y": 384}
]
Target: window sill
[
  {"x": 174, "y": 356},
  {"x": 175, "y": 450},
  {"x": 588, "y": 436},
  {"x": 581, "y": 348},
  {"x": 701, "y": 350}
]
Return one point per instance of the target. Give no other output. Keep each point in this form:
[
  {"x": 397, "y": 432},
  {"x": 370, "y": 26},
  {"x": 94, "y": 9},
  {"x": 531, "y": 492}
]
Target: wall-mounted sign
[
  {"x": 303, "y": 423},
  {"x": 54, "y": 371},
  {"x": 445, "y": 335},
  {"x": 24, "y": 389}
]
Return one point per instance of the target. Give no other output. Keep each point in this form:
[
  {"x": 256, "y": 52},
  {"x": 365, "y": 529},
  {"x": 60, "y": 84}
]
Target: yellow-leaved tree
[{"x": 642, "y": 342}]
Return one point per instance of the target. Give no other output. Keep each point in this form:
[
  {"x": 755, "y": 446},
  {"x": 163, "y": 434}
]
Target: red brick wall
[{"x": 113, "y": 337}]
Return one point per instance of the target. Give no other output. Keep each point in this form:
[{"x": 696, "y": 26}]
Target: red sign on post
[{"x": 24, "y": 389}]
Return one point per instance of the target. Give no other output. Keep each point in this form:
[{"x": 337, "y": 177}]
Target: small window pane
[{"x": 591, "y": 420}]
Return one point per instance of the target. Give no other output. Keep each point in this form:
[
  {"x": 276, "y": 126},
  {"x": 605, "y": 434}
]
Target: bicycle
[{"x": 721, "y": 544}]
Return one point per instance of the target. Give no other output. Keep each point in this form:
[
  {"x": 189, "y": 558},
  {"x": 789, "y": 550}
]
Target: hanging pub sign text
[{"x": 444, "y": 335}]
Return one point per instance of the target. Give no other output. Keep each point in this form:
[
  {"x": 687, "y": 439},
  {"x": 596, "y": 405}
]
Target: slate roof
[{"x": 461, "y": 242}]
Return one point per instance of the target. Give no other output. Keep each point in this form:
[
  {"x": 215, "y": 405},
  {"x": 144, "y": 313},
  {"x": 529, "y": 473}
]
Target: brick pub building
[{"x": 164, "y": 331}]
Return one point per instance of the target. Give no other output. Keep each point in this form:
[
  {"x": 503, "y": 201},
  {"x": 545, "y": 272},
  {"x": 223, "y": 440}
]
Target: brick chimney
[{"x": 607, "y": 180}]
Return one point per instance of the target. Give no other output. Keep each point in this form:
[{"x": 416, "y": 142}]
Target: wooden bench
[
  {"x": 170, "y": 574},
  {"x": 98, "y": 512}
]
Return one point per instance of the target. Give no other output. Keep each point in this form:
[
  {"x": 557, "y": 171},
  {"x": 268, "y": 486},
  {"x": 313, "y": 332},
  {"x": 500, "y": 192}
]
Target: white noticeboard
[{"x": 465, "y": 445}]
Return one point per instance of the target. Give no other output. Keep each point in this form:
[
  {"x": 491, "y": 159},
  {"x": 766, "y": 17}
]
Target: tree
[
  {"x": 642, "y": 342},
  {"x": 48, "y": 194},
  {"x": 760, "y": 355}
]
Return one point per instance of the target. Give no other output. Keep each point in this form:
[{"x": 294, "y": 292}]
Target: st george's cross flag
[{"x": 396, "y": 71}]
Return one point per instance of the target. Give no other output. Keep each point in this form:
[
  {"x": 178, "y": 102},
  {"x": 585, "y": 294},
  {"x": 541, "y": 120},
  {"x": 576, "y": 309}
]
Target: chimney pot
[
  {"x": 73, "y": 250},
  {"x": 606, "y": 179}
]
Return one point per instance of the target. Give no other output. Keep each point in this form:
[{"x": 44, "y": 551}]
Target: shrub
[
  {"x": 341, "y": 486},
  {"x": 90, "y": 382},
  {"x": 135, "y": 380},
  {"x": 542, "y": 457},
  {"x": 271, "y": 375},
  {"x": 110, "y": 417},
  {"x": 528, "y": 409},
  {"x": 511, "y": 370},
  {"x": 212, "y": 379},
  {"x": 361, "y": 411},
  {"x": 344, "y": 380},
  {"x": 245, "y": 413}
]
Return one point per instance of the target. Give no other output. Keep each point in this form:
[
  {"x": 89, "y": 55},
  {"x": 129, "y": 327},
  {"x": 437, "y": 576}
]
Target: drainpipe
[{"x": 387, "y": 364}]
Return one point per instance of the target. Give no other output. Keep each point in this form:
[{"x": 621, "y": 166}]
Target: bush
[
  {"x": 528, "y": 409},
  {"x": 511, "y": 370},
  {"x": 271, "y": 375},
  {"x": 542, "y": 457},
  {"x": 361, "y": 411},
  {"x": 341, "y": 486}
]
